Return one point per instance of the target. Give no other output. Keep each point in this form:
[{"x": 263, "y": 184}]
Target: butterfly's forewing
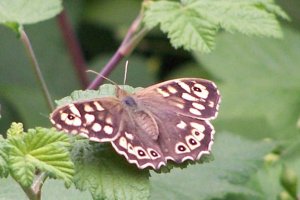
[
  {"x": 97, "y": 119},
  {"x": 192, "y": 97}
]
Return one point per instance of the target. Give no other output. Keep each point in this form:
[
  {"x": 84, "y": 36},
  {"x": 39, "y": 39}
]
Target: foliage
[
  {"x": 107, "y": 175},
  {"x": 38, "y": 149},
  {"x": 193, "y": 24},
  {"x": 256, "y": 150}
]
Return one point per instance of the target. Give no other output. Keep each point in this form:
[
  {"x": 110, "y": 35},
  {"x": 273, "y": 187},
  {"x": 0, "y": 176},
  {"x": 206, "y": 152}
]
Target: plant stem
[
  {"x": 30, "y": 193},
  {"x": 36, "y": 68},
  {"x": 73, "y": 48},
  {"x": 129, "y": 42},
  {"x": 38, "y": 183}
]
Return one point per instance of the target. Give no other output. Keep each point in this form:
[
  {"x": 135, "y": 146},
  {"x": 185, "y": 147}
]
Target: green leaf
[
  {"x": 236, "y": 160},
  {"x": 103, "y": 91},
  {"x": 107, "y": 175},
  {"x": 193, "y": 24},
  {"x": 182, "y": 24},
  {"x": 259, "y": 84},
  {"x": 4, "y": 171},
  {"x": 15, "y": 130},
  {"x": 28, "y": 12},
  {"x": 41, "y": 148}
]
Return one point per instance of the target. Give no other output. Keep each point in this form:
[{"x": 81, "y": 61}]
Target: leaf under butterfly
[
  {"x": 43, "y": 149},
  {"x": 193, "y": 24},
  {"x": 106, "y": 175},
  {"x": 103, "y": 91}
]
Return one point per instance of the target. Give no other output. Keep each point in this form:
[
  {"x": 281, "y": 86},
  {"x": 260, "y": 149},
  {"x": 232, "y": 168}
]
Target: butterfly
[{"x": 169, "y": 121}]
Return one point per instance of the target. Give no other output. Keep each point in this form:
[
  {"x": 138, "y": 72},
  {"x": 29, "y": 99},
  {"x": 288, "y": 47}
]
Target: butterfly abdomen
[{"x": 145, "y": 124}]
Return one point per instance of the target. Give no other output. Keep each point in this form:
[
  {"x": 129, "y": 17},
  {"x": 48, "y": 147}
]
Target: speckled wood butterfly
[{"x": 166, "y": 121}]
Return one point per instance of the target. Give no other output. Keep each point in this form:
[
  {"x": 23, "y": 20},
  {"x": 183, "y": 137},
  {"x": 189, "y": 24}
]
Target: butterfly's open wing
[
  {"x": 97, "y": 119},
  {"x": 192, "y": 97},
  {"x": 180, "y": 139}
]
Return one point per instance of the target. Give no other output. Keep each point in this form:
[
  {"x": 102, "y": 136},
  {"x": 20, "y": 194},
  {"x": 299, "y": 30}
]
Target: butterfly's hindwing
[
  {"x": 166, "y": 121},
  {"x": 187, "y": 140}
]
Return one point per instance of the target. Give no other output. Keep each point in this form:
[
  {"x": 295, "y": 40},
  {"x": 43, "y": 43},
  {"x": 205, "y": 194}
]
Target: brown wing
[
  {"x": 191, "y": 97},
  {"x": 180, "y": 138},
  {"x": 97, "y": 119}
]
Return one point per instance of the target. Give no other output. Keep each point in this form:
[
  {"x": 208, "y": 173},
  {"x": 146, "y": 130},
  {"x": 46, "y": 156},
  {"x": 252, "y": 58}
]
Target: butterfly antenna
[
  {"x": 111, "y": 81},
  {"x": 125, "y": 73}
]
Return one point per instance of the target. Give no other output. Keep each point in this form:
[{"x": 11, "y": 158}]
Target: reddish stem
[
  {"x": 122, "y": 51},
  {"x": 73, "y": 48}
]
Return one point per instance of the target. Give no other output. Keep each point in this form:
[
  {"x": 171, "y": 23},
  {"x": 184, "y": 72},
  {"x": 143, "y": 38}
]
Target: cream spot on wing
[
  {"x": 181, "y": 148},
  {"x": 52, "y": 120},
  {"x": 189, "y": 97},
  {"x": 211, "y": 104},
  {"x": 88, "y": 108},
  {"x": 198, "y": 106},
  {"x": 197, "y": 134},
  {"x": 171, "y": 89},
  {"x": 141, "y": 153},
  {"x": 176, "y": 104},
  {"x": 83, "y": 135},
  {"x": 163, "y": 93},
  {"x": 96, "y": 127},
  {"x": 75, "y": 122},
  {"x": 192, "y": 142},
  {"x": 130, "y": 149},
  {"x": 98, "y": 106},
  {"x": 129, "y": 135},
  {"x": 74, "y": 110},
  {"x": 108, "y": 129},
  {"x": 95, "y": 139},
  {"x": 153, "y": 154},
  {"x": 123, "y": 142},
  {"x": 181, "y": 125},
  {"x": 63, "y": 116},
  {"x": 194, "y": 111},
  {"x": 197, "y": 126},
  {"x": 89, "y": 118},
  {"x": 58, "y": 126},
  {"x": 203, "y": 93},
  {"x": 184, "y": 86},
  {"x": 108, "y": 120}
]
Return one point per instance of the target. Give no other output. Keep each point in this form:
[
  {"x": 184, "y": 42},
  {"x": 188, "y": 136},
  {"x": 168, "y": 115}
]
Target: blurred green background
[{"x": 259, "y": 78}]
